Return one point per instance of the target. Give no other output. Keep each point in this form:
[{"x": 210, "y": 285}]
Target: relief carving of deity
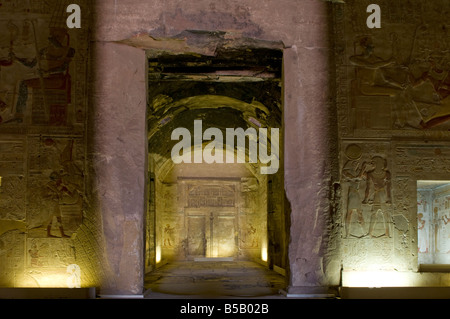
[
  {"x": 352, "y": 173},
  {"x": 377, "y": 194}
]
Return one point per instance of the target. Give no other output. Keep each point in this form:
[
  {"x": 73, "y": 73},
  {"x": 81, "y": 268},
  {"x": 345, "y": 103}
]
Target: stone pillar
[
  {"x": 119, "y": 148},
  {"x": 309, "y": 151}
]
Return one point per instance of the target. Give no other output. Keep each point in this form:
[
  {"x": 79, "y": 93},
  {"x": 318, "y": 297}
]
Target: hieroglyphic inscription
[
  {"x": 12, "y": 259},
  {"x": 12, "y": 157},
  {"x": 211, "y": 196},
  {"x": 417, "y": 159},
  {"x": 12, "y": 189},
  {"x": 48, "y": 253},
  {"x": 12, "y": 198}
]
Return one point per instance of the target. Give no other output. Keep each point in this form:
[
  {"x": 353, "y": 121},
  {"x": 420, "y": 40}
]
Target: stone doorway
[
  {"x": 211, "y": 218},
  {"x": 227, "y": 211},
  {"x": 211, "y": 234}
]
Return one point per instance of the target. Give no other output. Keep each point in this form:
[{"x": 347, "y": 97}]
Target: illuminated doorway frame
[{"x": 275, "y": 254}]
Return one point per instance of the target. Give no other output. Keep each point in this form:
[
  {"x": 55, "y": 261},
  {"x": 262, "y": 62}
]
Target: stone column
[
  {"x": 119, "y": 151},
  {"x": 309, "y": 148}
]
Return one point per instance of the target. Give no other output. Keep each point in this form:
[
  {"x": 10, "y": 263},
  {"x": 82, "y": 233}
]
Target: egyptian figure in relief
[
  {"x": 378, "y": 194},
  {"x": 422, "y": 234},
  {"x": 352, "y": 173},
  {"x": 371, "y": 79}
]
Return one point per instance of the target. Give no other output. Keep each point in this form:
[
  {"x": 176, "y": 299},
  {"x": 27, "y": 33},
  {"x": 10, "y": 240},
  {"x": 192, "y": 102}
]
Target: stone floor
[{"x": 213, "y": 279}]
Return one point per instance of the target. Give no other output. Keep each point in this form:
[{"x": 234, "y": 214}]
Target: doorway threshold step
[{"x": 214, "y": 259}]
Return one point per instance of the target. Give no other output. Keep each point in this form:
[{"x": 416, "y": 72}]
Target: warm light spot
[
  {"x": 158, "y": 254},
  {"x": 56, "y": 280},
  {"x": 264, "y": 253},
  {"x": 375, "y": 279},
  {"x": 70, "y": 277}
]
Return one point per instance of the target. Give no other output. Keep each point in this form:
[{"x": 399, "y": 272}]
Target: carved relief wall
[
  {"x": 393, "y": 117},
  {"x": 43, "y": 89}
]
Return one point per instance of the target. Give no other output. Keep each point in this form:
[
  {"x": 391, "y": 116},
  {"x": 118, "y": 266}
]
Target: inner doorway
[
  {"x": 210, "y": 211},
  {"x": 204, "y": 211},
  {"x": 202, "y": 216},
  {"x": 211, "y": 234}
]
